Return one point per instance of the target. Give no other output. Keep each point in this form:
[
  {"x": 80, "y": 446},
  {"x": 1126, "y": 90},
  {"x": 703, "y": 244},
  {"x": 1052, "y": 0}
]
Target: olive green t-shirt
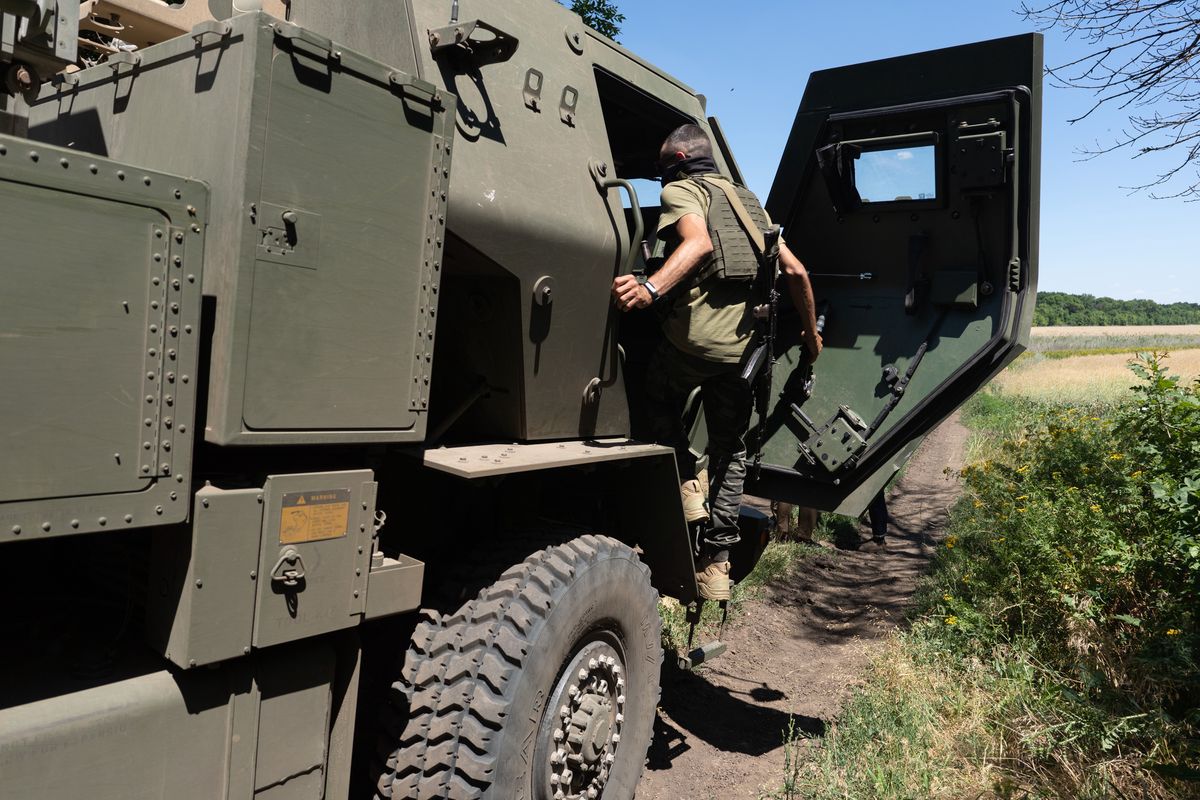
[{"x": 715, "y": 320}]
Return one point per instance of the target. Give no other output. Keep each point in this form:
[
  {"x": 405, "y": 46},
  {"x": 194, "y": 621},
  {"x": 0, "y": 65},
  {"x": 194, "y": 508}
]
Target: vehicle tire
[{"x": 544, "y": 686}]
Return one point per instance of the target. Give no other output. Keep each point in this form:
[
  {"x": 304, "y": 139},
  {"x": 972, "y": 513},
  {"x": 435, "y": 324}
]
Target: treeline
[{"x": 1060, "y": 308}]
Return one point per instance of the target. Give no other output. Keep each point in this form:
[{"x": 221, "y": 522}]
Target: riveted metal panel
[
  {"x": 202, "y": 589},
  {"x": 318, "y": 527},
  {"x": 329, "y": 173},
  {"x": 99, "y": 326},
  {"x": 333, "y": 346}
]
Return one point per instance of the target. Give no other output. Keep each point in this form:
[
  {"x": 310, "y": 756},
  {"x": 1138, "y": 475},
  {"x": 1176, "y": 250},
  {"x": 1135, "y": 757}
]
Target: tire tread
[{"x": 460, "y": 669}]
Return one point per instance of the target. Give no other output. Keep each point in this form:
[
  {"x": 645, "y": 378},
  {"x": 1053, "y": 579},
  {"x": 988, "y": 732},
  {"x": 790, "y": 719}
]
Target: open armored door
[{"x": 909, "y": 189}]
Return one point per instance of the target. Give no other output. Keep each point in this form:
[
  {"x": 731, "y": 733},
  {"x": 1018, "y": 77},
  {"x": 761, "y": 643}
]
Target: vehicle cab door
[{"x": 909, "y": 189}]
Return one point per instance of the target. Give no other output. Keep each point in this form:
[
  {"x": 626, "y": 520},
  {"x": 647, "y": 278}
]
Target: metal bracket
[
  {"x": 288, "y": 570},
  {"x": 533, "y": 89},
  {"x": 461, "y": 37},
  {"x": 700, "y": 655},
  {"x": 301, "y": 36},
  {"x": 288, "y": 235},
  {"x": 567, "y": 105},
  {"x": 841, "y": 440},
  {"x": 124, "y": 61},
  {"x": 211, "y": 27},
  {"x": 419, "y": 90},
  {"x": 543, "y": 290},
  {"x": 574, "y": 40},
  {"x": 982, "y": 158}
]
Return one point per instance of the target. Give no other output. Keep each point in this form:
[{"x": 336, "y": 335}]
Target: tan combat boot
[
  {"x": 713, "y": 580},
  {"x": 695, "y": 498}
]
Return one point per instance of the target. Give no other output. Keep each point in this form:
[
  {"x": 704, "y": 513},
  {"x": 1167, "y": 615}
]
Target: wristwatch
[{"x": 649, "y": 288}]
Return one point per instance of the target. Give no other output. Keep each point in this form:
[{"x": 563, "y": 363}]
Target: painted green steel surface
[
  {"x": 226, "y": 733},
  {"x": 347, "y": 253},
  {"x": 966, "y": 259},
  {"x": 332, "y": 592},
  {"x": 523, "y": 206},
  {"x": 98, "y": 341},
  {"x": 120, "y": 736},
  {"x": 200, "y": 608},
  {"x": 323, "y": 325}
]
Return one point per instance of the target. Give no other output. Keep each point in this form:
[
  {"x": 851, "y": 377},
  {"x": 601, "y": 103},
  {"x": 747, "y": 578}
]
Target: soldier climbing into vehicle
[{"x": 723, "y": 257}]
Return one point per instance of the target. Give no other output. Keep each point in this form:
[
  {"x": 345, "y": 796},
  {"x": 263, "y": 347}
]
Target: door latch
[{"x": 288, "y": 570}]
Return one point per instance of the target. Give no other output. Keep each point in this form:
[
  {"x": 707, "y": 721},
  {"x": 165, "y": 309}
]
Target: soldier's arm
[
  {"x": 801, "y": 293},
  {"x": 694, "y": 246}
]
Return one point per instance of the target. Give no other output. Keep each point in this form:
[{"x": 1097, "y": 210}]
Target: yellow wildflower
[
  {"x": 1022, "y": 510},
  {"x": 1173, "y": 631},
  {"x": 978, "y": 504},
  {"x": 951, "y": 620},
  {"x": 1095, "y": 508},
  {"x": 951, "y": 541},
  {"x": 947, "y": 597},
  {"x": 1116, "y": 457},
  {"x": 1023, "y": 469},
  {"x": 1023, "y": 497},
  {"x": 1137, "y": 473}
]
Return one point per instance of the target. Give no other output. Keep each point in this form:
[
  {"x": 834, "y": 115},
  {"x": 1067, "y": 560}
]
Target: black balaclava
[{"x": 693, "y": 165}]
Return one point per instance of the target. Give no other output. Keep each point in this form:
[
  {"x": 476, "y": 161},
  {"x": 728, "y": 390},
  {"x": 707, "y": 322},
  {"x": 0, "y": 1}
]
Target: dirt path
[{"x": 796, "y": 651}]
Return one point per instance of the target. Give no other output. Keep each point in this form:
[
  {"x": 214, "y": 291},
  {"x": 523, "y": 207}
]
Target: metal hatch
[{"x": 909, "y": 189}]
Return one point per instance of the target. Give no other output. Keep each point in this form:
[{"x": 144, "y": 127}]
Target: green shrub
[
  {"x": 1079, "y": 543},
  {"x": 1053, "y": 646}
]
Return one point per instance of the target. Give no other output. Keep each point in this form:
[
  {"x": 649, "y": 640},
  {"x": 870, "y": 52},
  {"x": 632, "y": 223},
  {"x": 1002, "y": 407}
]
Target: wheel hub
[{"x": 587, "y": 729}]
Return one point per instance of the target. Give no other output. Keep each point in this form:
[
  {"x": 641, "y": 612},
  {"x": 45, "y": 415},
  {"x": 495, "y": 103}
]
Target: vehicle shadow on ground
[{"x": 730, "y": 720}]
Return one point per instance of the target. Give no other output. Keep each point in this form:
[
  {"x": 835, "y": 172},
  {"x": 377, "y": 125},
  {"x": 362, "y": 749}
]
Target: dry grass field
[
  {"x": 1084, "y": 378},
  {"x": 1114, "y": 338}
]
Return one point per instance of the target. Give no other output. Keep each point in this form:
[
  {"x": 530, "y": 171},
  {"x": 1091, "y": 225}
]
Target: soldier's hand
[
  {"x": 812, "y": 346},
  {"x": 629, "y": 294}
]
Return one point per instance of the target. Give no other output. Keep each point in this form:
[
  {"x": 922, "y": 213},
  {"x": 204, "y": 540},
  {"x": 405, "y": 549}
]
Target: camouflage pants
[{"x": 727, "y": 400}]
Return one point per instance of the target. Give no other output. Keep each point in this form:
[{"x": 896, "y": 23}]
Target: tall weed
[{"x": 1056, "y": 637}]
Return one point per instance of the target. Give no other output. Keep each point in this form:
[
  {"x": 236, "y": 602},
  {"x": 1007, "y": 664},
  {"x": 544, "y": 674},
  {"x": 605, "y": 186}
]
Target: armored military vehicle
[{"x": 305, "y": 327}]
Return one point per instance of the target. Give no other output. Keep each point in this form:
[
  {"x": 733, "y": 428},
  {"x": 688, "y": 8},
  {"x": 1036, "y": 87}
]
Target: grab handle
[{"x": 599, "y": 171}]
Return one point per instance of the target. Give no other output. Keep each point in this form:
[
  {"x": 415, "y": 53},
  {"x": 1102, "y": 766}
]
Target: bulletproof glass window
[
  {"x": 886, "y": 169},
  {"x": 896, "y": 173}
]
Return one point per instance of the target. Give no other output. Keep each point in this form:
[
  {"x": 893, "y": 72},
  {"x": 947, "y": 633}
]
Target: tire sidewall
[{"x": 611, "y": 593}]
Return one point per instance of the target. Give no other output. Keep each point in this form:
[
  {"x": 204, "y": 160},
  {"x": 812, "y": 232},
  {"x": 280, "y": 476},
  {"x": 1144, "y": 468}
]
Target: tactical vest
[{"x": 736, "y": 233}]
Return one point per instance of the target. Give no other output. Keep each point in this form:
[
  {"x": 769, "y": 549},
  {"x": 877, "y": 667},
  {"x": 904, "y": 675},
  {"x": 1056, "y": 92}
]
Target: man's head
[{"x": 686, "y": 141}]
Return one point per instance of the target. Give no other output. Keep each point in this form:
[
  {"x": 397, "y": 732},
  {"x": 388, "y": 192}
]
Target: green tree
[
  {"x": 600, "y": 14},
  {"x": 1060, "y": 308},
  {"x": 1142, "y": 59}
]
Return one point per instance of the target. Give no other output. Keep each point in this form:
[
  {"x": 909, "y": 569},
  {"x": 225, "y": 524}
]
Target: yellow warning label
[{"x": 312, "y": 516}]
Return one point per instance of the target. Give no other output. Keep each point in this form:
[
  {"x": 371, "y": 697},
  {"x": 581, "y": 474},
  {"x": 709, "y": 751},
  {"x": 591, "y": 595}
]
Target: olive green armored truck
[{"x": 324, "y": 469}]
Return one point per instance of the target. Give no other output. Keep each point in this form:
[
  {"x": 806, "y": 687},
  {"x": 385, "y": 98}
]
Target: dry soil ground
[{"x": 797, "y": 650}]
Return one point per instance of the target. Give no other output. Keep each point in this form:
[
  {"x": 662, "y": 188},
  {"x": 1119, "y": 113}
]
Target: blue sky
[{"x": 752, "y": 58}]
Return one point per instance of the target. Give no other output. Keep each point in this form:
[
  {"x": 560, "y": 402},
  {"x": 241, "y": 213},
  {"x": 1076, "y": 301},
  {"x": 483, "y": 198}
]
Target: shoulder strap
[{"x": 739, "y": 210}]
